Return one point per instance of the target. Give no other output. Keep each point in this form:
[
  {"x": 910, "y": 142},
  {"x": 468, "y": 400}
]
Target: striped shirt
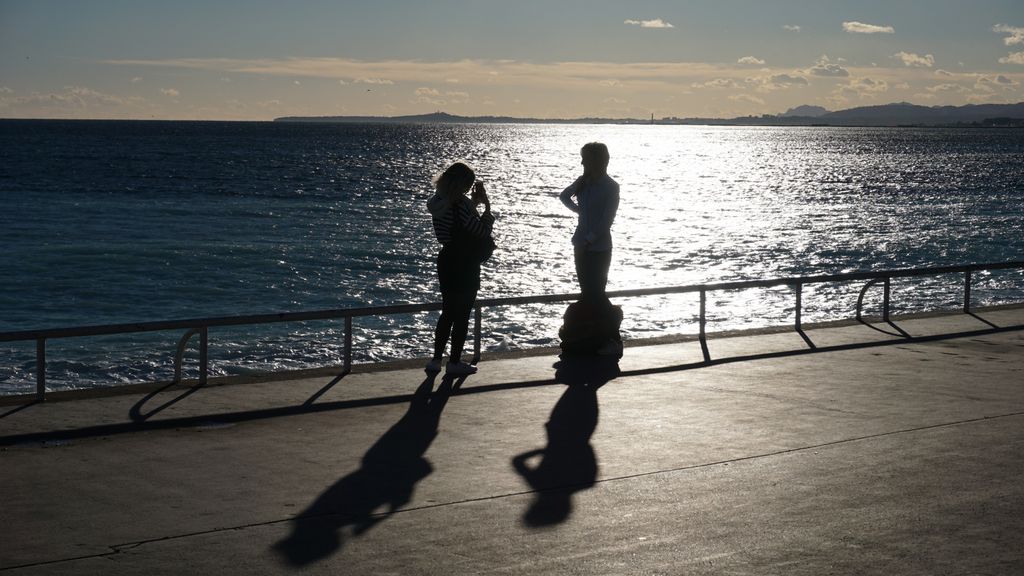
[{"x": 443, "y": 217}]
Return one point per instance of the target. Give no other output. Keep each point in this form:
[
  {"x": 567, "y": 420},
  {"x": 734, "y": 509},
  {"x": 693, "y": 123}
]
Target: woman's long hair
[{"x": 454, "y": 182}]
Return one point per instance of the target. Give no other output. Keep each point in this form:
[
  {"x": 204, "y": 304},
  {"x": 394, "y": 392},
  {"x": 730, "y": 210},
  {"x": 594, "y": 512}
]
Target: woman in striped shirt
[{"x": 457, "y": 226}]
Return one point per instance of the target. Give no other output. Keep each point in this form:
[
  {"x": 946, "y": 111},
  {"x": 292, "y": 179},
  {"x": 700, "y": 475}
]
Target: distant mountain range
[
  {"x": 904, "y": 113},
  {"x": 900, "y": 114},
  {"x": 805, "y": 111}
]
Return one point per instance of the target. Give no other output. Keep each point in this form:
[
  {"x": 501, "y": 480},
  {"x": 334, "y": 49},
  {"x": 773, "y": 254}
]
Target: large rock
[{"x": 591, "y": 329}]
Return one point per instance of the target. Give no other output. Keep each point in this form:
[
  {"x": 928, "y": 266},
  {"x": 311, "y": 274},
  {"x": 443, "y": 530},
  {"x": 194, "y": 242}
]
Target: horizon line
[{"x": 526, "y": 119}]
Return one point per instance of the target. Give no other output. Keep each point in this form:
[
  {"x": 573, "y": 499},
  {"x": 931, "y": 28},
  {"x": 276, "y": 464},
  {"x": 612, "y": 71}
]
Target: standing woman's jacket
[
  {"x": 443, "y": 216},
  {"x": 457, "y": 266}
]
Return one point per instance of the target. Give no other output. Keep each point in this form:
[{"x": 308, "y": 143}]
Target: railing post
[
  {"x": 967, "y": 292},
  {"x": 40, "y": 370},
  {"x": 204, "y": 356},
  {"x": 348, "y": 345},
  {"x": 799, "y": 303},
  {"x": 885, "y": 301},
  {"x": 476, "y": 335},
  {"x": 703, "y": 322}
]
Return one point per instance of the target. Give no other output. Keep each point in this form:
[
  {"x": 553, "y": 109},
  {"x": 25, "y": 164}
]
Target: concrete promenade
[{"x": 871, "y": 454}]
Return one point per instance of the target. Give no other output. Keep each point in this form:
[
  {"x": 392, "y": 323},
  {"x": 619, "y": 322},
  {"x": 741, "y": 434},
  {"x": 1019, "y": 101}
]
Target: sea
[{"x": 105, "y": 222}]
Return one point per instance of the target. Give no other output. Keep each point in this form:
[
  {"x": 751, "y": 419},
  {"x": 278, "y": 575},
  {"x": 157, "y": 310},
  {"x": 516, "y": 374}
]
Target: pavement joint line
[
  {"x": 118, "y": 548},
  {"x": 59, "y": 561}
]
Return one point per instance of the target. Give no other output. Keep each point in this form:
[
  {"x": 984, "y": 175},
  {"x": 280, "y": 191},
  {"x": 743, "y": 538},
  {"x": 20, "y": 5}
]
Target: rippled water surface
[{"x": 109, "y": 222}]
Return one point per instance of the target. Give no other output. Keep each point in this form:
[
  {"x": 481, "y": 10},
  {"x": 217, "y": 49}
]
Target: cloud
[
  {"x": 915, "y": 61},
  {"x": 428, "y": 100},
  {"x": 296, "y": 82},
  {"x": 716, "y": 83},
  {"x": 791, "y": 27},
  {"x": 656, "y": 23},
  {"x": 432, "y": 96},
  {"x": 860, "y": 88},
  {"x": 136, "y": 79},
  {"x": 1015, "y": 35},
  {"x": 452, "y": 80},
  {"x": 989, "y": 84},
  {"x": 750, "y": 60},
  {"x": 864, "y": 85},
  {"x": 377, "y": 81},
  {"x": 1013, "y": 58},
  {"x": 946, "y": 88},
  {"x": 862, "y": 28},
  {"x": 170, "y": 92},
  {"x": 73, "y": 98},
  {"x": 541, "y": 77},
  {"x": 941, "y": 72},
  {"x": 985, "y": 99},
  {"x": 517, "y": 73},
  {"x": 774, "y": 82},
  {"x": 746, "y": 98},
  {"x": 342, "y": 82},
  {"x": 783, "y": 80},
  {"x": 457, "y": 97},
  {"x": 825, "y": 67}
]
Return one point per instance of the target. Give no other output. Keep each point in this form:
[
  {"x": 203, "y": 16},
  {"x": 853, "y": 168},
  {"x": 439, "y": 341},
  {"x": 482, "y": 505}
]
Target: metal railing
[{"x": 201, "y": 326}]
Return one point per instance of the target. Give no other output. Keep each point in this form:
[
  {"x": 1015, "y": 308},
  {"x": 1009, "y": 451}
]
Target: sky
[{"x": 257, "y": 60}]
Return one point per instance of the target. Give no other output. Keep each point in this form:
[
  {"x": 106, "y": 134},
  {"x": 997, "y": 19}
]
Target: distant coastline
[{"x": 899, "y": 114}]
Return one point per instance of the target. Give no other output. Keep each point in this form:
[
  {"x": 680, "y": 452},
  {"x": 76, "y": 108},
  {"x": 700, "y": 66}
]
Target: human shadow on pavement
[
  {"x": 568, "y": 463},
  {"x": 387, "y": 478}
]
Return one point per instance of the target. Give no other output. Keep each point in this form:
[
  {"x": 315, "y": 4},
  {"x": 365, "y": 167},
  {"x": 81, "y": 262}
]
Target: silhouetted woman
[
  {"x": 594, "y": 197},
  {"x": 457, "y": 227}
]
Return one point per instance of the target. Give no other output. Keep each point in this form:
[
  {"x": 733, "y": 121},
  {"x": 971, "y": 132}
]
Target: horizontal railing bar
[
  {"x": 108, "y": 329},
  {"x": 331, "y": 314}
]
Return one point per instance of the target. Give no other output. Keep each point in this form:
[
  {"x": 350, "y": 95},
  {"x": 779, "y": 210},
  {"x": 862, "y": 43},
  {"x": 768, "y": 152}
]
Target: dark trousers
[
  {"x": 459, "y": 276},
  {"x": 453, "y": 323},
  {"x": 592, "y": 272}
]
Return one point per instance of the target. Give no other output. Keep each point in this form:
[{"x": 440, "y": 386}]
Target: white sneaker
[
  {"x": 433, "y": 367},
  {"x": 459, "y": 368}
]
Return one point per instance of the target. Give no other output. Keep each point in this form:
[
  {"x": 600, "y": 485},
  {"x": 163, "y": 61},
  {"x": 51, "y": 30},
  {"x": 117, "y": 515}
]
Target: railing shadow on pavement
[
  {"x": 18, "y": 408},
  {"x": 307, "y": 408},
  {"x": 897, "y": 331},
  {"x": 905, "y": 338},
  {"x": 136, "y": 414},
  {"x": 980, "y": 319}
]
